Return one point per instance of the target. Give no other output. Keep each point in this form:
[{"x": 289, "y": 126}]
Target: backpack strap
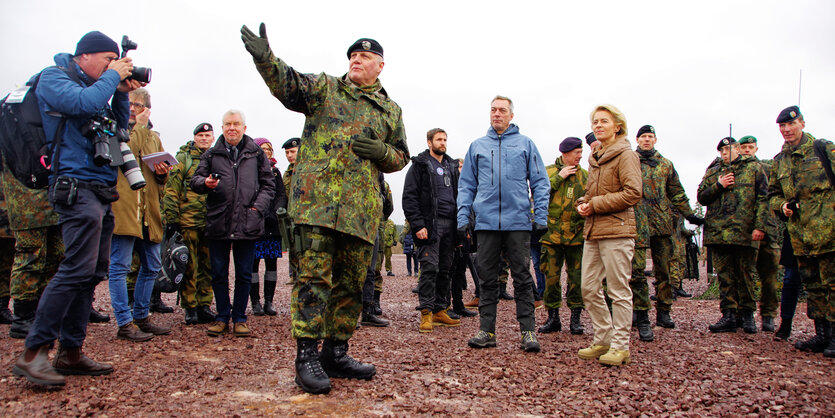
[
  {"x": 59, "y": 133},
  {"x": 820, "y": 150}
]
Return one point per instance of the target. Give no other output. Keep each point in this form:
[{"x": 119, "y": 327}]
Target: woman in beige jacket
[{"x": 614, "y": 187}]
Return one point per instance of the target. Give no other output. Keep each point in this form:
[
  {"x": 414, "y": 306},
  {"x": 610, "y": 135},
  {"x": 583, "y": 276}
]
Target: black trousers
[
  {"x": 516, "y": 247},
  {"x": 435, "y": 264}
]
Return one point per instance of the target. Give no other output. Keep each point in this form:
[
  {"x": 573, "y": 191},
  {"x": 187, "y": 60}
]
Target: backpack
[
  {"x": 174, "y": 263},
  {"x": 22, "y": 138},
  {"x": 820, "y": 150}
]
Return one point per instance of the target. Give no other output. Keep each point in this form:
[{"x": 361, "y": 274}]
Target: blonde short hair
[{"x": 620, "y": 119}]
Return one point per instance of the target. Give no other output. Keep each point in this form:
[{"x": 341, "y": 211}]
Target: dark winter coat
[{"x": 420, "y": 205}]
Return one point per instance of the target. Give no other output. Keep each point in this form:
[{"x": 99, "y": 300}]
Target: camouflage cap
[
  {"x": 366, "y": 44},
  {"x": 725, "y": 142},
  {"x": 747, "y": 139},
  {"x": 789, "y": 114}
]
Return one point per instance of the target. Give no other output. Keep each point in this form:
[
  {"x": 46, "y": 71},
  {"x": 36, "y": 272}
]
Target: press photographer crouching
[{"x": 91, "y": 84}]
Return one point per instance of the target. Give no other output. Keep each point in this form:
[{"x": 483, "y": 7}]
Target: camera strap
[{"x": 59, "y": 133}]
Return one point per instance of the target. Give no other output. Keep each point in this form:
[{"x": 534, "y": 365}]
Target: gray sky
[{"x": 688, "y": 68}]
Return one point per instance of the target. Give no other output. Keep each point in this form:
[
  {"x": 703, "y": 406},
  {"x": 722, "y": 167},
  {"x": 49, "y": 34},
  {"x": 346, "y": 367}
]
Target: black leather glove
[
  {"x": 695, "y": 219},
  {"x": 171, "y": 228},
  {"x": 258, "y": 46},
  {"x": 370, "y": 149},
  {"x": 464, "y": 234},
  {"x": 538, "y": 231}
]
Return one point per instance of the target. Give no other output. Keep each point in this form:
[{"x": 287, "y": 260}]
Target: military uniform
[
  {"x": 183, "y": 206},
  {"x": 381, "y": 236},
  {"x": 389, "y": 241},
  {"x": 6, "y": 257},
  {"x": 768, "y": 258}
]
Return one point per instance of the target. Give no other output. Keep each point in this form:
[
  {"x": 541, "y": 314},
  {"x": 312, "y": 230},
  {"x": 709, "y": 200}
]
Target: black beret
[
  {"x": 590, "y": 138},
  {"x": 645, "y": 129},
  {"x": 366, "y": 44},
  {"x": 203, "y": 127},
  {"x": 291, "y": 143},
  {"x": 570, "y": 144},
  {"x": 747, "y": 139},
  {"x": 789, "y": 114},
  {"x": 725, "y": 142}
]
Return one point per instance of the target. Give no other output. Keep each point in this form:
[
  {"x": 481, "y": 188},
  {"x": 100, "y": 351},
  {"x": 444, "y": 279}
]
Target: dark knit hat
[
  {"x": 96, "y": 41},
  {"x": 747, "y": 139},
  {"x": 291, "y": 143},
  {"x": 570, "y": 144},
  {"x": 203, "y": 127},
  {"x": 725, "y": 142},
  {"x": 366, "y": 44},
  {"x": 789, "y": 114},
  {"x": 644, "y": 130},
  {"x": 590, "y": 138}
]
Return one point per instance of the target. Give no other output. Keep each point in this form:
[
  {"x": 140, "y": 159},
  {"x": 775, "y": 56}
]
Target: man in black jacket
[{"x": 429, "y": 203}]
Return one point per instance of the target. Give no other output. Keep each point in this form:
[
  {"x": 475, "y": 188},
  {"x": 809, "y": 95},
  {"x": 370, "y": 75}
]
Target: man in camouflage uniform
[
  {"x": 734, "y": 192},
  {"x": 802, "y": 191},
  {"x": 377, "y": 259},
  {"x": 291, "y": 149},
  {"x": 662, "y": 191},
  {"x": 390, "y": 241},
  {"x": 564, "y": 240},
  {"x": 352, "y": 132},
  {"x": 678, "y": 262},
  {"x": 768, "y": 255},
  {"x": 184, "y": 211},
  {"x": 6, "y": 257}
]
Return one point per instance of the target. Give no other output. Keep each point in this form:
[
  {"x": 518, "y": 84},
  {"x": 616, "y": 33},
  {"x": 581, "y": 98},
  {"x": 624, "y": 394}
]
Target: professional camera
[
  {"x": 140, "y": 74},
  {"x": 99, "y": 130}
]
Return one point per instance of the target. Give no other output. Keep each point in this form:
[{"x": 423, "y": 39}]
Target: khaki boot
[
  {"x": 592, "y": 352},
  {"x": 615, "y": 357},
  {"x": 425, "y": 320},
  {"x": 441, "y": 319}
]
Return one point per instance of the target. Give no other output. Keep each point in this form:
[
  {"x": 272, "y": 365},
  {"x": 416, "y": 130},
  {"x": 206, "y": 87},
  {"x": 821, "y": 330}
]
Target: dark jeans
[
  {"x": 791, "y": 291},
  {"x": 435, "y": 266},
  {"x": 409, "y": 258},
  {"x": 64, "y": 307},
  {"x": 515, "y": 245},
  {"x": 243, "y": 252},
  {"x": 536, "y": 253}
]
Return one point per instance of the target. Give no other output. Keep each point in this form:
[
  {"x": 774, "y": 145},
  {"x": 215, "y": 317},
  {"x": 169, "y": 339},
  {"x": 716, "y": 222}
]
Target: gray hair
[
  {"x": 142, "y": 94},
  {"x": 500, "y": 97},
  {"x": 231, "y": 112}
]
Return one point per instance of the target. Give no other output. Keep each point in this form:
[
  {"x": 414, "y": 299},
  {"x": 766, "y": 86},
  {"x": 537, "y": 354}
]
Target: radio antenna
[{"x": 799, "y": 86}]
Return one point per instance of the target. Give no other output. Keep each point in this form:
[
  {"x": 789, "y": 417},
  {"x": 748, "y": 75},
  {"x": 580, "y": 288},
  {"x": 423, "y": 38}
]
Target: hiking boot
[
  {"x": 785, "y": 330},
  {"x": 552, "y": 324},
  {"x": 748, "y": 323},
  {"x": 529, "y": 342},
  {"x": 615, "y": 357},
  {"x": 575, "y": 325},
  {"x": 473, "y": 303},
  {"x": 205, "y": 315},
  {"x": 157, "y": 305},
  {"x": 727, "y": 323},
  {"x": 240, "y": 329},
  {"x": 97, "y": 317},
  {"x": 482, "y": 339},
  {"x": 464, "y": 312},
  {"x": 644, "y": 327},
  {"x": 425, "y": 321},
  {"x": 34, "y": 366},
  {"x": 819, "y": 341},
  {"x": 441, "y": 319},
  {"x": 71, "y": 361},
  {"x": 146, "y": 325},
  {"x": 270, "y": 280},
  {"x": 662, "y": 319},
  {"x": 5, "y": 313},
  {"x": 131, "y": 332},
  {"x": 338, "y": 364},
  {"x": 255, "y": 299},
  {"x": 829, "y": 351},
  {"x": 377, "y": 310},
  {"x": 309, "y": 374},
  {"x": 768, "y": 323},
  {"x": 368, "y": 318},
  {"x": 217, "y": 328},
  {"x": 24, "y": 315},
  {"x": 191, "y": 316},
  {"x": 503, "y": 295},
  {"x": 679, "y": 291},
  {"x": 592, "y": 352},
  {"x": 538, "y": 304}
]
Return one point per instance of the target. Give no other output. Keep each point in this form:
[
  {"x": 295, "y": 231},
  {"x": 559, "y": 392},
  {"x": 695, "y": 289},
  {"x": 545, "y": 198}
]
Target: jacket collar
[
  {"x": 610, "y": 152},
  {"x": 511, "y": 130}
]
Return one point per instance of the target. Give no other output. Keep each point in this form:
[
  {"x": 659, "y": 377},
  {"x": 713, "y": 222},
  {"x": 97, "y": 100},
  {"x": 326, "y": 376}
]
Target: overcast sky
[{"x": 688, "y": 68}]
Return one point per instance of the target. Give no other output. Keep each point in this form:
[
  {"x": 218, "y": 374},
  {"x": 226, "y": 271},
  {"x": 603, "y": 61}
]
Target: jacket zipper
[{"x": 500, "y": 182}]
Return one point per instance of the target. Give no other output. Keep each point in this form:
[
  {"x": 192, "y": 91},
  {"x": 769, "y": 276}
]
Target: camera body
[
  {"x": 99, "y": 130},
  {"x": 141, "y": 74}
]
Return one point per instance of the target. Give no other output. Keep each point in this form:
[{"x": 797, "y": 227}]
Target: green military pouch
[{"x": 312, "y": 238}]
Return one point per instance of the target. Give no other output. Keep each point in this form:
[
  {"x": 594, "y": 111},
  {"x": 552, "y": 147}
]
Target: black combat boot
[
  {"x": 24, "y": 315},
  {"x": 644, "y": 326},
  {"x": 503, "y": 295},
  {"x": 768, "y": 323},
  {"x": 820, "y": 341},
  {"x": 785, "y": 330},
  {"x": 5, "y": 313},
  {"x": 727, "y": 323},
  {"x": 270, "y": 280},
  {"x": 462, "y": 311},
  {"x": 97, "y": 317},
  {"x": 309, "y": 374},
  {"x": 205, "y": 315},
  {"x": 829, "y": 351},
  {"x": 377, "y": 310},
  {"x": 575, "y": 325},
  {"x": 255, "y": 299},
  {"x": 679, "y": 291},
  {"x": 338, "y": 364},
  {"x": 552, "y": 324},
  {"x": 191, "y": 316},
  {"x": 748, "y": 323},
  {"x": 662, "y": 319},
  {"x": 634, "y": 319},
  {"x": 368, "y": 318},
  {"x": 157, "y": 305}
]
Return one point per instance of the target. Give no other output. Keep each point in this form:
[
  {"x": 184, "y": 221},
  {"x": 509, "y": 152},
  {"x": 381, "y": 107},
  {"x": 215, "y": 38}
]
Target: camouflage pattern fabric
[
  {"x": 734, "y": 266},
  {"x": 37, "y": 254},
  {"x": 6, "y": 260},
  {"x": 768, "y": 260},
  {"x": 326, "y": 297},
  {"x": 818, "y": 275},
  {"x": 678, "y": 261},
  {"x": 5, "y": 229},
  {"x": 196, "y": 288},
  {"x": 638, "y": 281},
  {"x": 662, "y": 192},
  {"x": 551, "y": 261},
  {"x": 180, "y": 204},
  {"x": 565, "y": 225},
  {"x": 287, "y": 177},
  {"x": 27, "y": 208},
  {"x": 391, "y": 233},
  {"x": 661, "y": 250},
  {"x": 504, "y": 272},
  {"x": 773, "y": 226}
]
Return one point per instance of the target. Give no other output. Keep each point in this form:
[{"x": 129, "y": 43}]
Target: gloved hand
[
  {"x": 538, "y": 231},
  {"x": 171, "y": 228},
  {"x": 695, "y": 219},
  {"x": 258, "y": 46},
  {"x": 464, "y": 234},
  {"x": 370, "y": 149}
]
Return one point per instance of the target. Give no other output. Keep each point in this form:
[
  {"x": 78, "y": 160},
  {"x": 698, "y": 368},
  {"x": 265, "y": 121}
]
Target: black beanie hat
[
  {"x": 590, "y": 138},
  {"x": 95, "y": 41}
]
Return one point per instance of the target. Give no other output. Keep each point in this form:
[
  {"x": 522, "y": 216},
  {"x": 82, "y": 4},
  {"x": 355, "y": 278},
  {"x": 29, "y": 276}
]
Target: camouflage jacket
[
  {"x": 26, "y": 208},
  {"x": 287, "y": 178},
  {"x": 332, "y": 187},
  {"x": 180, "y": 204},
  {"x": 391, "y": 233},
  {"x": 773, "y": 230},
  {"x": 734, "y": 213},
  {"x": 565, "y": 225},
  {"x": 797, "y": 173},
  {"x": 662, "y": 192},
  {"x": 5, "y": 231}
]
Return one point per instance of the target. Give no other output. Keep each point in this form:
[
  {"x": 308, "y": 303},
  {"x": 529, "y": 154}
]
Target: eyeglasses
[{"x": 139, "y": 106}]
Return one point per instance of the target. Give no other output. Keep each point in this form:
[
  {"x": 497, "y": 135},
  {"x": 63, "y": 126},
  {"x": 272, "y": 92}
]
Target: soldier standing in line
[
  {"x": 563, "y": 243},
  {"x": 390, "y": 241},
  {"x": 734, "y": 192},
  {"x": 381, "y": 247},
  {"x": 678, "y": 262},
  {"x": 353, "y": 131},
  {"x": 291, "y": 149}
]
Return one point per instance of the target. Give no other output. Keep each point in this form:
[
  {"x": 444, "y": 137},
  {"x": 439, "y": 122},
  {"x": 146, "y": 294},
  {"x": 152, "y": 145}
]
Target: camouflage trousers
[
  {"x": 551, "y": 261},
  {"x": 661, "y": 248},
  {"x": 735, "y": 269},
  {"x": 768, "y": 260},
  {"x": 678, "y": 262},
  {"x": 6, "y": 260},
  {"x": 326, "y": 300},
  {"x": 504, "y": 271},
  {"x": 387, "y": 253},
  {"x": 378, "y": 276},
  {"x": 818, "y": 275},
  {"x": 196, "y": 287},
  {"x": 638, "y": 281},
  {"x": 38, "y": 252}
]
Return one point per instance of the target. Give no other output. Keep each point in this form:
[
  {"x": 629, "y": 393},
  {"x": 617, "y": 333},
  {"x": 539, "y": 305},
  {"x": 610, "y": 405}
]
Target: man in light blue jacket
[{"x": 501, "y": 171}]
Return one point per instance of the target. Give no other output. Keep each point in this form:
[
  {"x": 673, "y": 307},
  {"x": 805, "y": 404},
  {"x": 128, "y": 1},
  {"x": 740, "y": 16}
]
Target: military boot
[
  {"x": 377, "y": 310},
  {"x": 727, "y": 323},
  {"x": 768, "y": 323},
  {"x": 97, "y": 317},
  {"x": 157, "y": 305},
  {"x": 503, "y": 295},
  {"x": 575, "y": 325},
  {"x": 679, "y": 291},
  {"x": 338, "y": 364},
  {"x": 634, "y": 319},
  {"x": 820, "y": 341},
  {"x": 662, "y": 319},
  {"x": 748, "y": 323},
  {"x": 785, "y": 330},
  {"x": 829, "y": 351},
  {"x": 270, "y": 280},
  {"x": 255, "y": 299},
  {"x": 552, "y": 324},
  {"x": 34, "y": 366},
  {"x": 309, "y": 374},
  {"x": 368, "y": 318},
  {"x": 5, "y": 313},
  {"x": 24, "y": 315},
  {"x": 644, "y": 326}
]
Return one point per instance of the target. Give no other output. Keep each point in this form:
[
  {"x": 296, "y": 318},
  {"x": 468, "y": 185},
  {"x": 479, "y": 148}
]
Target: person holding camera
[{"x": 93, "y": 82}]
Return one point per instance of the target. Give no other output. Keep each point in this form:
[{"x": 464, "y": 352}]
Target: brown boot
[
  {"x": 73, "y": 361},
  {"x": 34, "y": 366},
  {"x": 146, "y": 325},
  {"x": 442, "y": 319},
  {"x": 131, "y": 332},
  {"x": 473, "y": 303},
  {"x": 425, "y": 321}
]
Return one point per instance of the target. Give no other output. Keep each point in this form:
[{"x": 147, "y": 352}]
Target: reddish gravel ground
[{"x": 685, "y": 371}]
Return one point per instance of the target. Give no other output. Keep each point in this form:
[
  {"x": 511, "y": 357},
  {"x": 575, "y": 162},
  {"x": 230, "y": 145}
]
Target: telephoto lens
[{"x": 130, "y": 168}]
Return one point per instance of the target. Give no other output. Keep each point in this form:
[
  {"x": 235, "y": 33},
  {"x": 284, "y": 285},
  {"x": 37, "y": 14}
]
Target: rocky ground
[{"x": 685, "y": 371}]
